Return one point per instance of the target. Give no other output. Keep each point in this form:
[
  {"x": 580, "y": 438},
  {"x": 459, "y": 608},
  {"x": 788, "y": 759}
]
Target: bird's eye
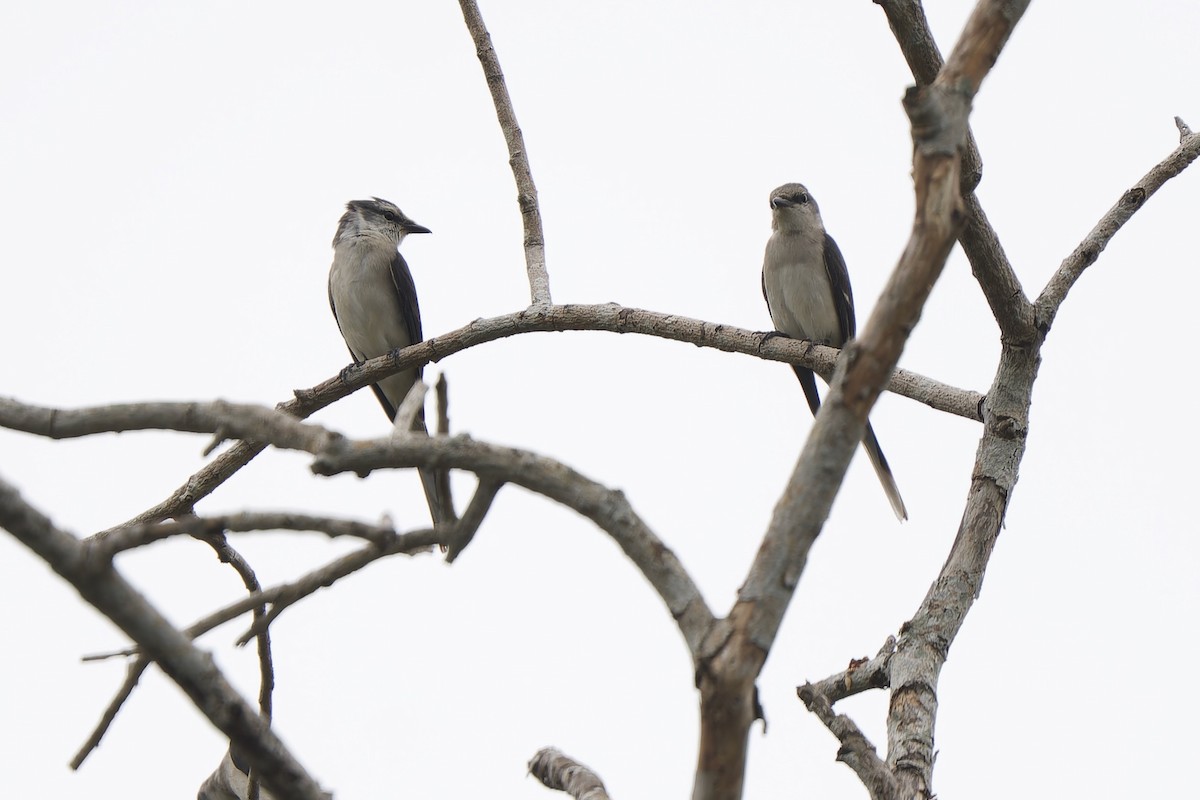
[
  {"x": 390, "y": 216},
  {"x": 802, "y": 198}
]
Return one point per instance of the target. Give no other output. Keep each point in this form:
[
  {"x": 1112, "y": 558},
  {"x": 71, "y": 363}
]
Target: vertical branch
[
  {"x": 266, "y": 666},
  {"x": 732, "y": 661},
  {"x": 531, "y": 215}
]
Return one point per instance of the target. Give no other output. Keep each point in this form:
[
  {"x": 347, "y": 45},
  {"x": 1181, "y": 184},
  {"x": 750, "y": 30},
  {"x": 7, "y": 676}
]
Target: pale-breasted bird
[
  {"x": 374, "y": 302},
  {"x": 808, "y": 295}
]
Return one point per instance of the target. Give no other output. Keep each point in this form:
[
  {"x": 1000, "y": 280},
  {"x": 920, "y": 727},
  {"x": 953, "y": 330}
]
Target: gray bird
[
  {"x": 808, "y": 295},
  {"x": 374, "y": 302}
]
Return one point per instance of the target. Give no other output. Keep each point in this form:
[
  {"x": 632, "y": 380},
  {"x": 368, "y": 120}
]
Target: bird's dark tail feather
[
  {"x": 808, "y": 382},
  {"x": 879, "y": 462}
]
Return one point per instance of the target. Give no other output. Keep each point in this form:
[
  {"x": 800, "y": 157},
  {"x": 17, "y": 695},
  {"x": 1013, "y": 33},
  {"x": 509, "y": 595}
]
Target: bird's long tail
[
  {"x": 879, "y": 462},
  {"x": 436, "y": 484},
  {"x": 808, "y": 382}
]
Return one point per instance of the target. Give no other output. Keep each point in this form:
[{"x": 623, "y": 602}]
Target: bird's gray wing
[
  {"x": 839, "y": 283},
  {"x": 406, "y": 295},
  {"x": 436, "y": 483},
  {"x": 843, "y": 299}
]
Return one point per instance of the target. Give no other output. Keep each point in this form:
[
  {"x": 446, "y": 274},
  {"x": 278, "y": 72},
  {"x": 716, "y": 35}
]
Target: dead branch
[
  {"x": 518, "y": 158},
  {"x": 192, "y": 669}
]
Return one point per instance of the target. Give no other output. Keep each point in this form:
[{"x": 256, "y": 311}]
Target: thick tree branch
[
  {"x": 558, "y": 771},
  {"x": 518, "y": 159},
  {"x": 989, "y": 264},
  {"x": 495, "y": 465},
  {"x": 192, "y": 669},
  {"x": 733, "y": 659},
  {"x": 1072, "y": 268}
]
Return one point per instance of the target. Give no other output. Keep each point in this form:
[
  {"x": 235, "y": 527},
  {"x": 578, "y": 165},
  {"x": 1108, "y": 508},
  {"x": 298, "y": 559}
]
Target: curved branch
[
  {"x": 606, "y": 507},
  {"x": 608, "y": 317},
  {"x": 108, "y": 546},
  {"x": 989, "y": 263},
  {"x": 527, "y": 199}
]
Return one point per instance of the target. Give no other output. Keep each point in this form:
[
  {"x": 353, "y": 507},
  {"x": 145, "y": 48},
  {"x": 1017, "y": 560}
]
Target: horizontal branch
[
  {"x": 494, "y": 465},
  {"x": 609, "y": 317},
  {"x": 123, "y": 539}
]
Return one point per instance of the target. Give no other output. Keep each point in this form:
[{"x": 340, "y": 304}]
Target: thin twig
[
  {"x": 410, "y": 407},
  {"x": 608, "y": 508},
  {"x": 518, "y": 159},
  {"x": 1072, "y": 268},
  {"x": 133, "y": 674},
  {"x": 139, "y": 535},
  {"x": 192, "y": 669},
  {"x": 266, "y": 685},
  {"x": 472, "y": 518}
]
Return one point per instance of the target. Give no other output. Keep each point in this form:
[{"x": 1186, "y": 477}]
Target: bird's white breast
[
  {"x": 798, "y": 290},
  {"x": 364, "y": 297}
]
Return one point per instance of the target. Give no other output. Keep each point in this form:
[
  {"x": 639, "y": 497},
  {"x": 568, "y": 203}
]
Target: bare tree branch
[
  {"x": 133, "y": 673},
  {"x": 989, "y": 263},
  {"x": 733, "y": 659},
  {"x": 518, "y": 159},
  {"x": 861, "y": 675},
  {"x": 472, "y": 518},
  {"x": 1072, "y": 268},
  {"x": 856, "y": 751},
  {"x": 915, "y": 668},
  {"x": 138, "y": 535},
  {"x": 192, "y": 669},
  {"x": 608, "y": 508},
  {"x": 608, "y": 317},
  {"x": 558, "y": 771},
  {"x": 282, "y": 596}
]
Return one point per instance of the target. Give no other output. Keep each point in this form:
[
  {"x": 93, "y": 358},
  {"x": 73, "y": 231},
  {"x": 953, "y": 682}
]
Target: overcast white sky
[{"x": 170, "y": 179}]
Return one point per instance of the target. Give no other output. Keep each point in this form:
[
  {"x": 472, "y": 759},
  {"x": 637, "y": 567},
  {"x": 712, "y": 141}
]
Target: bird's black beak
[
  {"x": 780, "y": 202},
  {"x": 413, "y": 227}
]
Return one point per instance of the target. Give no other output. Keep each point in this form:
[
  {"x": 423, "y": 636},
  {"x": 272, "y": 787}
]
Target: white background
[{"x": 170, "y": 179}]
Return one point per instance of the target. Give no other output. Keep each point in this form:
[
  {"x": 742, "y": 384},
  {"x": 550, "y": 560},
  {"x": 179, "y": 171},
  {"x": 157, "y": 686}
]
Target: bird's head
[
  {"x": 375, "y": 217},
  {"x": 793, "y": 210}
]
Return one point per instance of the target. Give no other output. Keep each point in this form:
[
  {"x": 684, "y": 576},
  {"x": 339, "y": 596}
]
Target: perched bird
[
  {"x": 374, "y": 302},
  {"x": 808, "y": 295}
]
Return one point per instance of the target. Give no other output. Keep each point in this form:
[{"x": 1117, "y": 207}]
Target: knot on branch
[
  {"x": 938, "y": 117},
  {"x": 1133, "y": 199}
]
